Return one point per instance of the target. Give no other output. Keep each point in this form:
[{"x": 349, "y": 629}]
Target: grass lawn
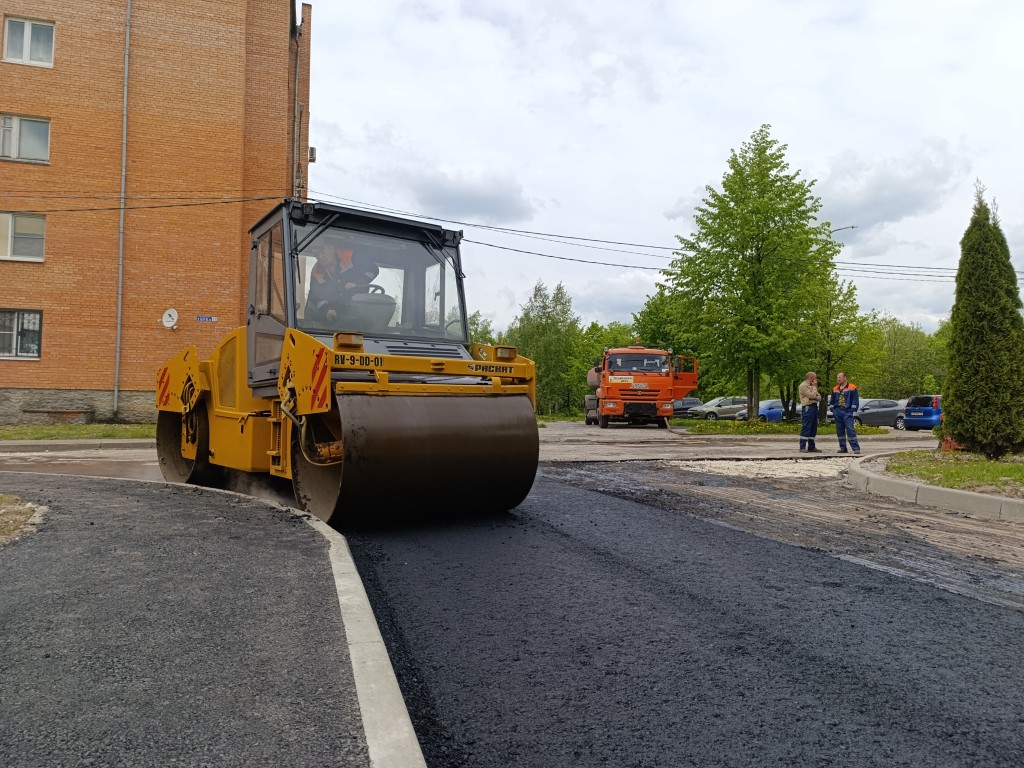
[
  {"x": 729, "y": 427},
  {"x": 76, "y": 431},
  {"x": 962, "y": 470}
]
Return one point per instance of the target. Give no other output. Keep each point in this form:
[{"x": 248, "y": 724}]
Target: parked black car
[
  {"x": 681, "y": 408},
  {"x": 875, "y": 412}
]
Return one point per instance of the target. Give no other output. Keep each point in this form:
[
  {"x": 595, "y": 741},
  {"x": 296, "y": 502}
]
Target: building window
[
  {"x": 21, "y": 332},
  {"x": 22, "y": 237},
  {"x": 24, "y": 138},
  {"x": 28, "y": 42}
]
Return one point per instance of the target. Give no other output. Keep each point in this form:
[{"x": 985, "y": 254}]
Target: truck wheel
[
  {"x": 602, "y": 421},
  {"x": 663, "y": 423}
]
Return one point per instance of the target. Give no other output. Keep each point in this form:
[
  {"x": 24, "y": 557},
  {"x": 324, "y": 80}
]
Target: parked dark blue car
[{"x": 923, "y": 412}]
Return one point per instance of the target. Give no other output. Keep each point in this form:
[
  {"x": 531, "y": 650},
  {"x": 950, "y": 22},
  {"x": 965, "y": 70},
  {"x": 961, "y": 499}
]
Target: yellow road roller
[{"x": 354, "y": 377}]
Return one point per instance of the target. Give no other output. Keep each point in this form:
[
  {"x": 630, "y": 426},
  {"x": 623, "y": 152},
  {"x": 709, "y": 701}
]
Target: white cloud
[{"x": 604, "y": 120}]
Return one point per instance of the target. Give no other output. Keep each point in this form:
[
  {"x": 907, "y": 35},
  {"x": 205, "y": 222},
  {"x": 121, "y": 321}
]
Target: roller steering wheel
[{"x": 374, "y": 288}]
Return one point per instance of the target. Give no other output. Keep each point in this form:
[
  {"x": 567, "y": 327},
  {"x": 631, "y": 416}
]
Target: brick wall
[{"x": 210, "y": 119}]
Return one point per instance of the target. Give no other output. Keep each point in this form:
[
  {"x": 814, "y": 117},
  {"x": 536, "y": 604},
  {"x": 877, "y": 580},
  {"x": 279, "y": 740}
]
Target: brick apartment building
[{"x": 138, "y": 143}]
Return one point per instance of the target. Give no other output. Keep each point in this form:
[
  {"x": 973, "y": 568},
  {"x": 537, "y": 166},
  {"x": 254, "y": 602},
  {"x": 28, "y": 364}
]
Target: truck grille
[{"x": 641, "y": 394}]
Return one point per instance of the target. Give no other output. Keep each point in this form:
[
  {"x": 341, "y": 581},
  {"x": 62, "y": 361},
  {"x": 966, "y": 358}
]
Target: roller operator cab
[{"x": 354, "y": 377}]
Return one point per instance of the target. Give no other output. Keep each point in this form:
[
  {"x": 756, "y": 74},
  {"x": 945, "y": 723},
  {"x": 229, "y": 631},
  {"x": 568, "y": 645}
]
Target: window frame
[
  {"x": 27, "y": 41},
  {"x": 14, "y": 130},
  {"x": 19, "y": 329},
  {"x": 7, "y": 249}
]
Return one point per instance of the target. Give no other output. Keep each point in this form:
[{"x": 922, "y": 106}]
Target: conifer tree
[{"x": 984, "y": 398}]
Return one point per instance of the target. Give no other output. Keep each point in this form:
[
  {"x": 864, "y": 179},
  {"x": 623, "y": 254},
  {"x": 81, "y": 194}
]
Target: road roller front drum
[{"x": 406, "y": 456}]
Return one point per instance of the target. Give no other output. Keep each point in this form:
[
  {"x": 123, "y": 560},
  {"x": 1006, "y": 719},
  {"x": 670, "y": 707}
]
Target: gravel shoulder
[{"x": 810, "y": 504}]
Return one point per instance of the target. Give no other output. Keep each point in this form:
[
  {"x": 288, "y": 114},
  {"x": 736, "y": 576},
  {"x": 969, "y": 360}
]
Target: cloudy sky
[{"x": 591, "y": 128}]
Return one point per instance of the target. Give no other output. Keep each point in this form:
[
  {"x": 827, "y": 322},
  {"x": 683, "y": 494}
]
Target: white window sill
[{"x": 24, "y": 160}]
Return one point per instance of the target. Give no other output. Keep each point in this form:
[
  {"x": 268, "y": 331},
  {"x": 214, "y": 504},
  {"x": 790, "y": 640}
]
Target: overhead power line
[
  {"x": 111, "y": 208},
  {"x": 150, "y": 194},
  {"x": 909, "y": 273},
  {"x": 141, "y": 200},
  {"x": 866, "y": 273}
]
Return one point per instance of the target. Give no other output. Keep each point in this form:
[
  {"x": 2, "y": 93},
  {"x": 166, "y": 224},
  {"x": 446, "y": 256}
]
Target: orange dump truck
[{"x": 637, "y": 385}]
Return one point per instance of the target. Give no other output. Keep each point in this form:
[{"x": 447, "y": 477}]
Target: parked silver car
[{"x": 719, "y": 408}]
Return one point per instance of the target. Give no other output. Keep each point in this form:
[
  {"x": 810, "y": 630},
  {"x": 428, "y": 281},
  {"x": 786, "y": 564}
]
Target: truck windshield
[
  {"x": 649, "y": 363},
  {"x": 376, "y": 285}
]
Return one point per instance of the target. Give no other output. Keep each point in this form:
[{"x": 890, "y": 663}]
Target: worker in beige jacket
[{"x": 810, "y": 397}]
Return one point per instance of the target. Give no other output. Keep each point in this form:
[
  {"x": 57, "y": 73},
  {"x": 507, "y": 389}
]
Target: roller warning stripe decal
[
  {"x": 163, "y": 380},
  {"x": 320, "y": 378}
]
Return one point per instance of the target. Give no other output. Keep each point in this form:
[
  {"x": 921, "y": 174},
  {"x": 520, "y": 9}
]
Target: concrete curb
[
  {"x": 390, "y": 737},
  {"x": 45, "y": 446},
  {"x": 967, "y": 502}
]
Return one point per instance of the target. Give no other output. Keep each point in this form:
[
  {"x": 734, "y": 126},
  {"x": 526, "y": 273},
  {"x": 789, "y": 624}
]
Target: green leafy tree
[
  {"x": 481, "y": 330},
  {"x": 905, "y": 357},
  {"x": 749, "y": 281},
  {"x": 984, "y": 398},
  {"x": 668, "y": 321},
  {"x": 596, "y": 337},
  {"x": 841, "y": 339},
  {"x": 657, "y": 323},
  {"x": 550, "y": 334}
]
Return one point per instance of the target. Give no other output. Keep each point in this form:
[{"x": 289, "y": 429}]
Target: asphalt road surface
[
  {"x": 635, "y": 614},
  {"x": 587, "y": 630}
]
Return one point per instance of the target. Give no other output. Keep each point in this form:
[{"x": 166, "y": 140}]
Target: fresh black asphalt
[
  {"x": 586, "y": 630},
  {"x": 145, "y": 625}
]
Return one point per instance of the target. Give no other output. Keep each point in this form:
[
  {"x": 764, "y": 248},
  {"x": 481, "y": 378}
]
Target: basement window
[
  {"x": 28, "y": 42},
  {"x": 22, "y": 237},
  {"x": 21, "y": 333}
]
